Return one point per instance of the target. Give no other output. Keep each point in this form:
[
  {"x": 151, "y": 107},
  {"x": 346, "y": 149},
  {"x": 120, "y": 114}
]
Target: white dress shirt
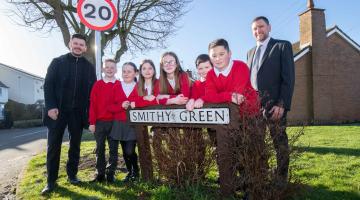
[
  {"x": 148, "y": 89},
  {"x": 226, "y": 71}
]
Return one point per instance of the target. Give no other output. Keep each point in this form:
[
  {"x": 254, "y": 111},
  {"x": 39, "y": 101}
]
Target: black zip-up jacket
[{"x": 68, "y": 75}]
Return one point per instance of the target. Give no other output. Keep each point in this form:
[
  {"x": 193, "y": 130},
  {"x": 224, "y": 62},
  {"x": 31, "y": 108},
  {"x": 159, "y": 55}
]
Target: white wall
[{"x": 23, "y": 88}]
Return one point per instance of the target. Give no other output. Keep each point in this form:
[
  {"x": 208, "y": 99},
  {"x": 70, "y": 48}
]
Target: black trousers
[
  {"x": 73, "y": 121},
  {"x": 102, "y": 133}
]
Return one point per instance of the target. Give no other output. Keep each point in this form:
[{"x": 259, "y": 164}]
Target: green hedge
[
  {"x": 20, "y": 111},
  {"x": 28, "y": 123}
]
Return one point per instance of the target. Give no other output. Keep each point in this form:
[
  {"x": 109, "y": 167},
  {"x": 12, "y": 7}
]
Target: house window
[{"x": 0, "y": 91}]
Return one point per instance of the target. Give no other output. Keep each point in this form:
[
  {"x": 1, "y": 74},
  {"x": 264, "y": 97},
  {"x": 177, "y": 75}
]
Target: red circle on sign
[{"x": 97, "y": 28}]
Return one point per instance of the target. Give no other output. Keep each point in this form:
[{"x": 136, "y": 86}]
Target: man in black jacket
[
  {"x": 67, "y": 88},
  {"x": 272, "y": 74}
]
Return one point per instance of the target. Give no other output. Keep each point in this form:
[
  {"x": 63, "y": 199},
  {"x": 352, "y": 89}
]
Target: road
[{"x": 17, "y": 146}]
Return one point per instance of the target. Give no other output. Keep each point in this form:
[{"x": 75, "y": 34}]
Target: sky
[{"x": 205, "y": 21}]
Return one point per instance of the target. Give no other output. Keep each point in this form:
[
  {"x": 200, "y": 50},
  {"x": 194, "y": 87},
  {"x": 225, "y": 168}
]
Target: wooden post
[
  {"x": 225, "y": 164},
  {"x": 144, "y": 152}
]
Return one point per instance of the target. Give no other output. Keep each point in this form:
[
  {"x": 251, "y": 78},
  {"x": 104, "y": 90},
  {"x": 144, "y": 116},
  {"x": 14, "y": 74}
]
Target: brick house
[{"x": 327, "y": 69}]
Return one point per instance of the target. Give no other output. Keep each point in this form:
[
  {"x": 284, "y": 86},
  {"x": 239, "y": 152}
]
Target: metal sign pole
[{"x": 98, "y": 54}]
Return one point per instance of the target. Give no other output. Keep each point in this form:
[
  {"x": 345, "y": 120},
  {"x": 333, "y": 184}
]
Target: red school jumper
[
  {"x": 219, "y": 89},
  {"x": 143, "y": 103},
  {"x": 184, "y": 88},
  {"x": 101, "y": 97},
  {"x": 198, "y": 90},
  {"x": 119, "y": 97}
]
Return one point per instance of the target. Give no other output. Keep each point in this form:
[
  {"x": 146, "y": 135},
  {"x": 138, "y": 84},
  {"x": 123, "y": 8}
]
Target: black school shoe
[
  {"x": 98, "y": 178},
  {"x": 48, "y": 188},
  {"x": 127, "y": 178},
  {"x": 74, "y": 180},
  {"x": 134, "y": 176},
  {"x": 110, "y": 178}
]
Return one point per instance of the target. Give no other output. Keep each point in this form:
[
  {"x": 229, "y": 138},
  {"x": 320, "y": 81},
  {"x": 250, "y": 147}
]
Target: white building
[
  {"x": 3, "y": 98},
  {"x": 23, "y": 87}
]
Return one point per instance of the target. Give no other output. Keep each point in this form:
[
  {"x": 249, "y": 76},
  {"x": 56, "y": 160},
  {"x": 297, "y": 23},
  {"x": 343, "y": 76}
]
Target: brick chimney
[
  {"x": 312, "y": 26},
  {"x": 313, "y": 33}
]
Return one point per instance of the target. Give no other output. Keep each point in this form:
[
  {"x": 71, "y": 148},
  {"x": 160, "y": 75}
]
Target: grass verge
[{"x": 328, "y": 168}]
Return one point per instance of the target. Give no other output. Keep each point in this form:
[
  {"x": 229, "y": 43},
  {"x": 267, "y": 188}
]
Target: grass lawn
[{"x": 329, "y": 168}]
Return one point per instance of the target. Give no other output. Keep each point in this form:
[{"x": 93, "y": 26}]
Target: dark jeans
[
  {"x": 72, "y": 120},
  {"x": 130, "y": 156},
  {"x": 102, "y": 133}
]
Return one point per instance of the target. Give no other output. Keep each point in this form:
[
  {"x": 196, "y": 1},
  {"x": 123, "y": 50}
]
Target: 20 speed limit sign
[{"x": 98, "y": 15}]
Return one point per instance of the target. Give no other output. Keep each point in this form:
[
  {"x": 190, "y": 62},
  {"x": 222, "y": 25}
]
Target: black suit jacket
[
  {"x": 56, "y": 80},
  {"x": 276, "y": 75}
]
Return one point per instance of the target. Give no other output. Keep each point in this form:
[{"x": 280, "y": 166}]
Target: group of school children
[{"x": 222, "y": 80}]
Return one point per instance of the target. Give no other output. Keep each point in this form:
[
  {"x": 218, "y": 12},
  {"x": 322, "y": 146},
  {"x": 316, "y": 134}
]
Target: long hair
[
  {"x": 163, "y": 76},
  {"x": 141, "y": 83}
]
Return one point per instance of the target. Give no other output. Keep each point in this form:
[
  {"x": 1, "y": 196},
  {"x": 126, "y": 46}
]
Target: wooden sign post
[{"x": 221, "y": 117}]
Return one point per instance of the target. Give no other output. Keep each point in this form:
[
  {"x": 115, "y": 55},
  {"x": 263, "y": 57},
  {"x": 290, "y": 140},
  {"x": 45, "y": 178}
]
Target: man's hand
[
  {"x": 237, "y": 98},
  {"x": 53, "y": 113},
  {"x": 92, "y": 128},
  {"x": 277, "y": 112}
]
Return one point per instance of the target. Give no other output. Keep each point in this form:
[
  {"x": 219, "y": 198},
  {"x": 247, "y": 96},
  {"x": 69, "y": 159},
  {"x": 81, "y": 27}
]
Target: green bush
[
  {"x": 28, "y": 123},
  {"x": 20, "y": 111}
]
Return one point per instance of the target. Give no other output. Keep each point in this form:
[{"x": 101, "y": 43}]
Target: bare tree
[{"x": 142, "y": 24}]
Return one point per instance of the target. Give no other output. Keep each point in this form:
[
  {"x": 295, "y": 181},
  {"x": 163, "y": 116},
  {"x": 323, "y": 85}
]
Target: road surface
[{"x": 17, "y": 146}]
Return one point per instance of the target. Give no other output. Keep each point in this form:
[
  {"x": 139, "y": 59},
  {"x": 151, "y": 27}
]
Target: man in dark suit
[
  {"x": 66, "y": 90},
  {"x": 272, "y": 74}
]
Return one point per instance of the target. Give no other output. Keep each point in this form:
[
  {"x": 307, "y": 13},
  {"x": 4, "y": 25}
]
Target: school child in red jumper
[
  {"x": 229, "y": 80},
  {"x": 101, "y": 122},
  {"x": 124, "y": 93},
  {"x": 174, "y": 83},
  {"x": 203, "y": 66},
  {"x": 146, "y": 83}
]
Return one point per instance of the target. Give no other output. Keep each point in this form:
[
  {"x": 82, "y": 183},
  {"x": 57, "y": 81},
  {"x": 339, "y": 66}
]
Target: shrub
[
  {"x": 20, "y": 111},
  {"x": 28, "y": 123}
]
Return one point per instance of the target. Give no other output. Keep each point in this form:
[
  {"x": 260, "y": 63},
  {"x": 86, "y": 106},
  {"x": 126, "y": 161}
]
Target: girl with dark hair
[
  {"x": 125, "y": 92},
  {"x": 174, "y": 83}
]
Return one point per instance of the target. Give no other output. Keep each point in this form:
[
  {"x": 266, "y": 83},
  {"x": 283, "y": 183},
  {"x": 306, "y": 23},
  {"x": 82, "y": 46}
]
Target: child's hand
[
  {"x": 126, "y": 104},
  {"x": 181, "y": 99},
  {"x": 199, "y": 103},
  {"x": 190, "y": 105},
  {"x": 162, "y": 96},
  {"x": 149, "y": 97},
  {"x": 237, "y": 98},
  {"x": 132, "y": 104},
  {"x": 92, "y": 128}
]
